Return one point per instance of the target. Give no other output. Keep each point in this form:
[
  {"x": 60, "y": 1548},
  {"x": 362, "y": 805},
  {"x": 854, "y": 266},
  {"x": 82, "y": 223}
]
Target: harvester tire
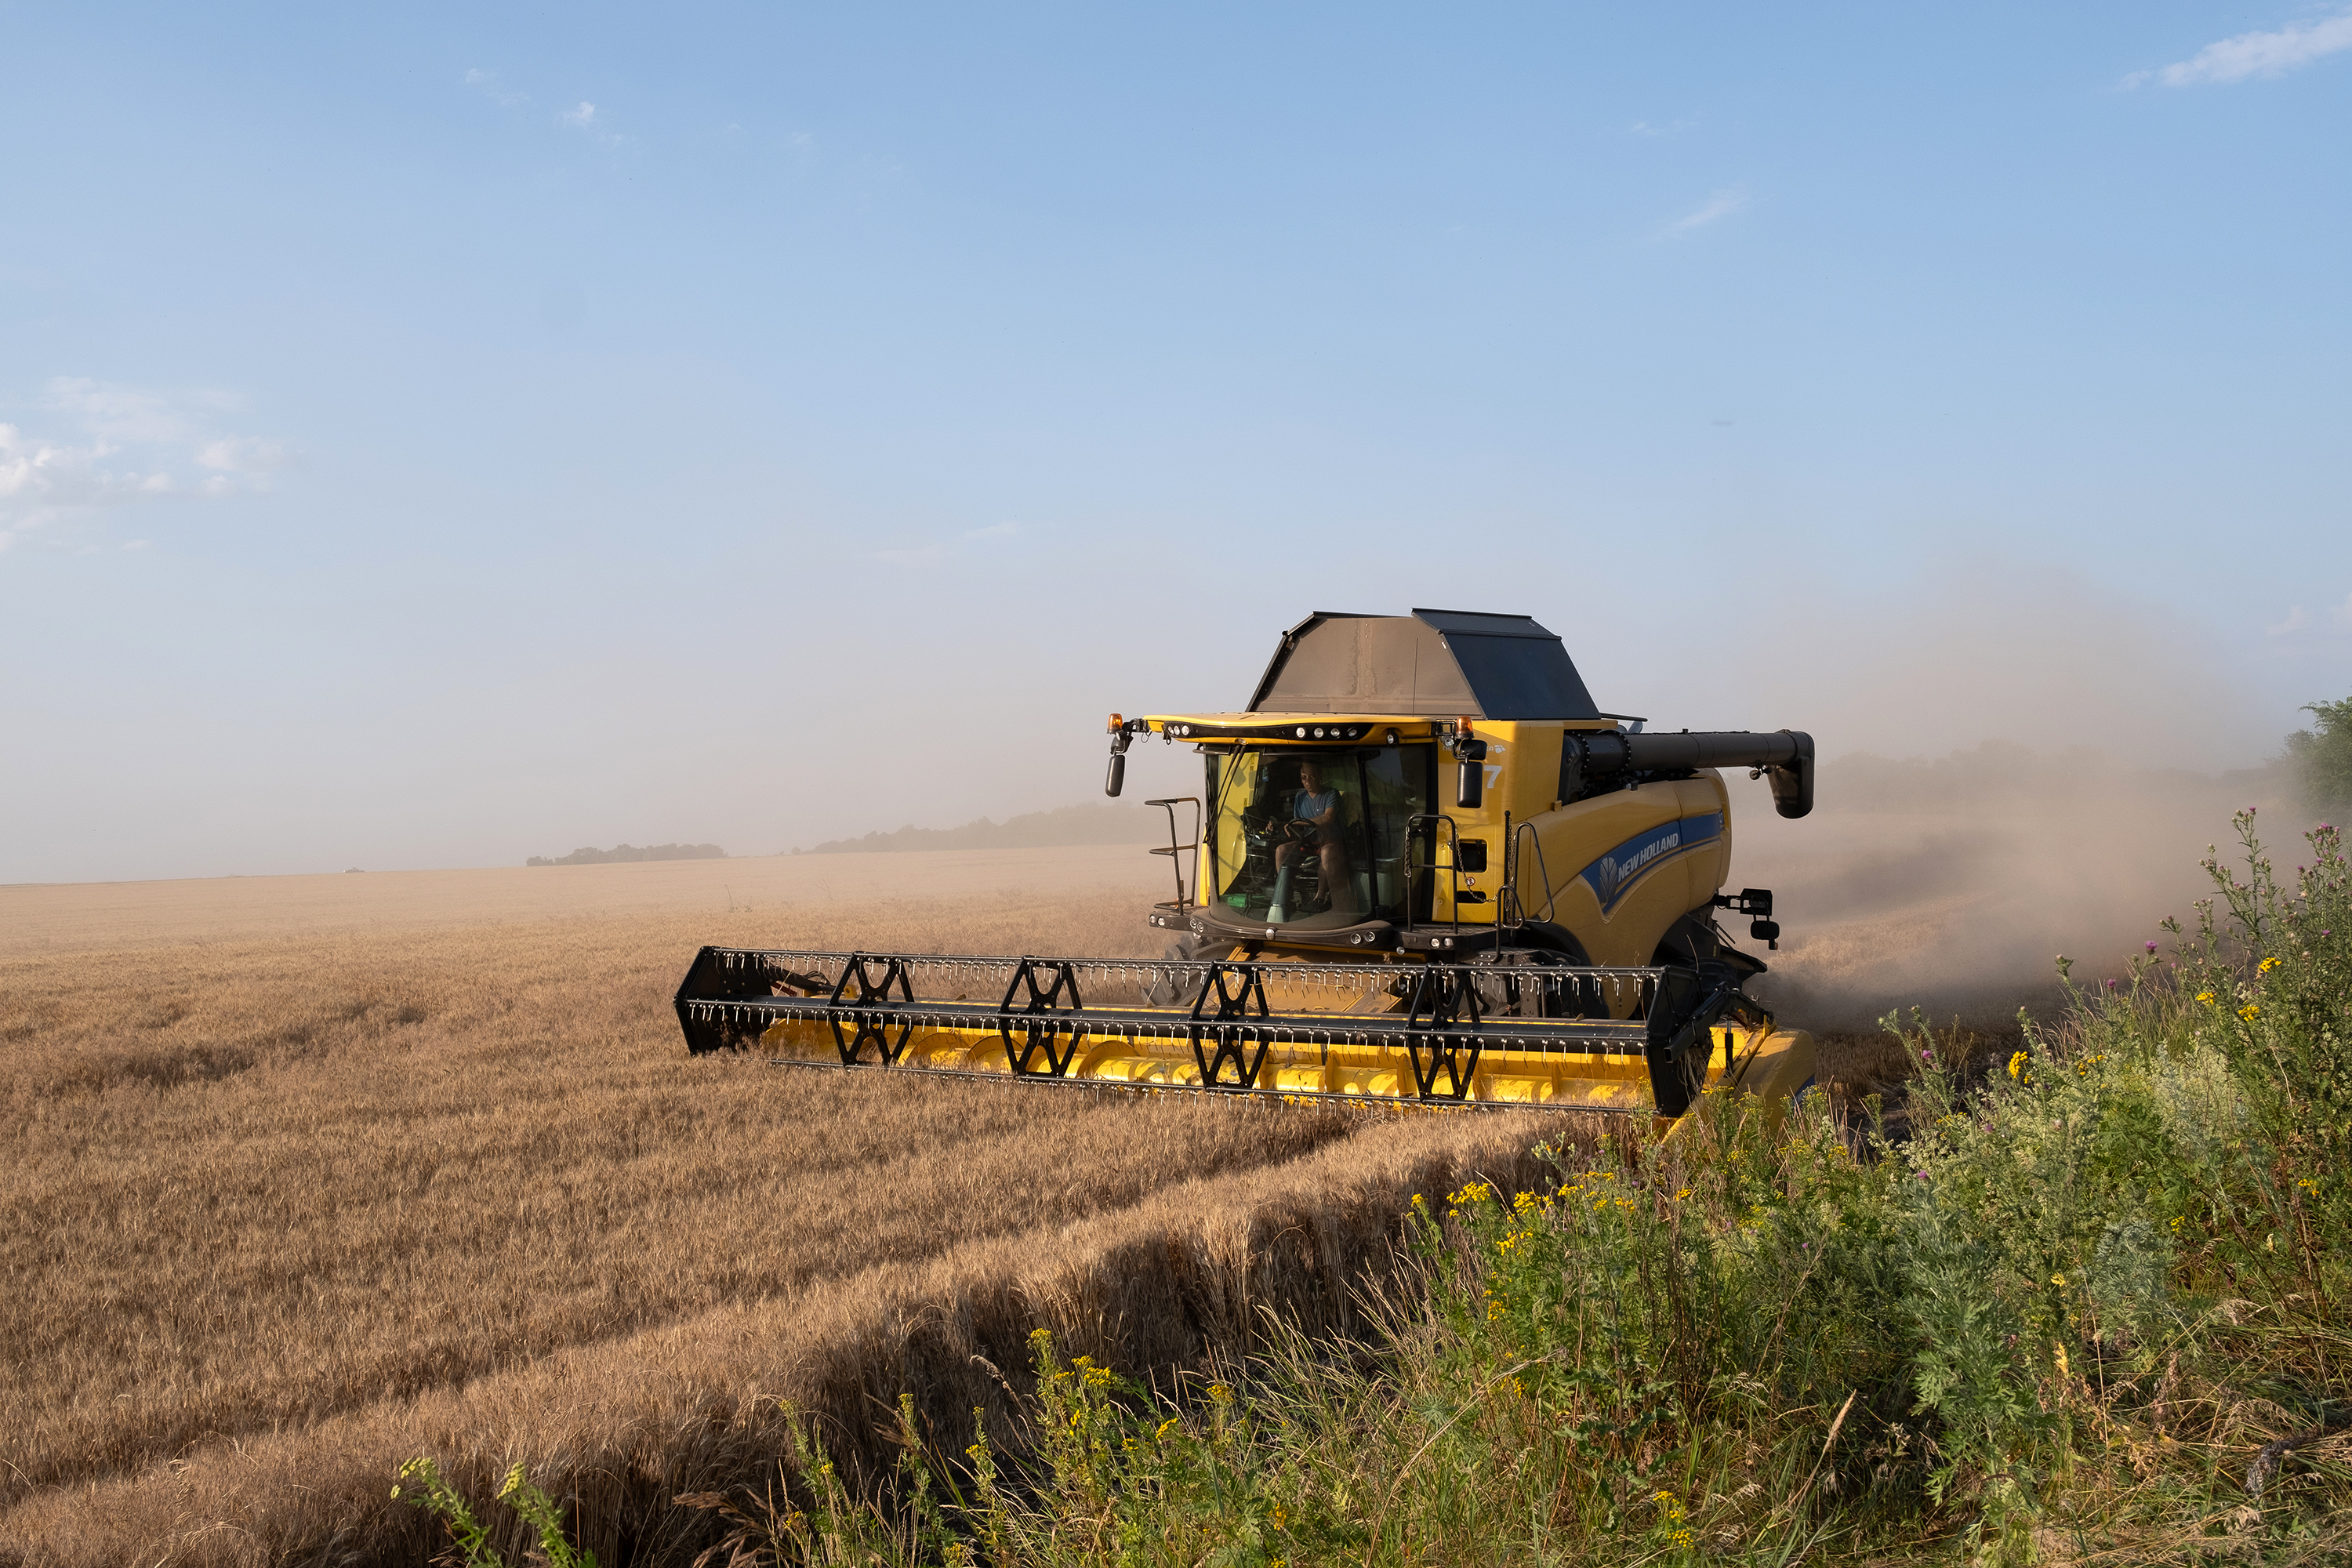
[
  {"x": 1522, "y": 990},
  {"x": 1168, "y": 988},
  {"x": 1680, "y": 1043}
]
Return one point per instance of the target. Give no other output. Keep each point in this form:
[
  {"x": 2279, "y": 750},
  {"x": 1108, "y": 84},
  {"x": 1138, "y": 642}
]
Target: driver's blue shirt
[{"x": 1307, "y": 807}]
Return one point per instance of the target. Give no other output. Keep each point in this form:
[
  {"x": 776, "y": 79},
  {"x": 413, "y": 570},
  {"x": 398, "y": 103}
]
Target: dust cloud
[
  {"x": 2016, "y": 765},
  {"x": 1953, "y": 885}
]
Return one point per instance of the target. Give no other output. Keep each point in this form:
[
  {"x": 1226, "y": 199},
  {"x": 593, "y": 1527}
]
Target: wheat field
[{"x": 305, "y": 1179}]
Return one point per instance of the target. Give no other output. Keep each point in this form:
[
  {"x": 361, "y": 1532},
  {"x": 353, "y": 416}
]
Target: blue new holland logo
[{"x": 1613, "y": 876}]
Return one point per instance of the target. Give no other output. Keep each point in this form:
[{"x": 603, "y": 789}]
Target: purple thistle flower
[{"x": 2151, "y": 947}]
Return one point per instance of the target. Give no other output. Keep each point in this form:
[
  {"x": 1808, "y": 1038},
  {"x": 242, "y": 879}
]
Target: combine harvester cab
[{"x": 1424, "y": 868}]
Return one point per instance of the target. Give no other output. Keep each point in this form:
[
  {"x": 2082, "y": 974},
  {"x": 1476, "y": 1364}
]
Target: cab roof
[{"x": 1431, "y": 663}]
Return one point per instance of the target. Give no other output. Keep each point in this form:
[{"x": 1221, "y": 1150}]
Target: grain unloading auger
[{"x": 1370, "y": 913}]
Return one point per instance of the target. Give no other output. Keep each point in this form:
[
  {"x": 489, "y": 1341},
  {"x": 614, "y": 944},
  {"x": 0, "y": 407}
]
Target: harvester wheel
[
  {"x": 1525, "y": 991},
  {"x": 1680, "y": 1044},
  {"x": 1172, "y": 988},
  {"x": 1517, "y": 989}
]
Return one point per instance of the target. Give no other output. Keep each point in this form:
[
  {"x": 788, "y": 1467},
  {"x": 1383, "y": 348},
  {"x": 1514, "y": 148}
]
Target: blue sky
[{"x": 443, "y": 434}]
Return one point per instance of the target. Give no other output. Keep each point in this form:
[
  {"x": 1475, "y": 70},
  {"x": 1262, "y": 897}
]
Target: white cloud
[
  {"x": 133, "y": 444},
  {"x": 581, "y": 117},
  {"x": 243, "y": 455},
  {"x": 2295, "y": 621},
  {"x": 1721, "y": 204},
  {"x": 996, "y": 531},
  {"x": 2342, "y": 614},
  {"x": 40, "y": 480},
  {"x": 487, "y": 83},
  {"x": 126, "y": 413},
  {"x": 2249, "y": 55}
]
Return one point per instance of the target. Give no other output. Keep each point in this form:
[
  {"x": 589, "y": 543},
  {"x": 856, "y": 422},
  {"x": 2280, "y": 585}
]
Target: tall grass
[{"x": 2091, "y": 1309}]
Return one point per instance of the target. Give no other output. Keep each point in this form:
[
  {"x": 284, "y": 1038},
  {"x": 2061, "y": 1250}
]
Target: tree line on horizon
[
  {"x": 1068, "y": 824},
  {"x": 620, "y": 853}
]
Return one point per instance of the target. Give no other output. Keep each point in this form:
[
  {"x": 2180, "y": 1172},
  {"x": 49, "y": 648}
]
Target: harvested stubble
[{"x": 288, "y": 1212}]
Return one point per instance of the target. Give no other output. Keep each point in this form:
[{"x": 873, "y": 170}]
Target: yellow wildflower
[
  {"x": 2248, "y": 1011},
  {"x": 2266, "y": 965},
  {"x": 2206, "y": 997},
  {"x": 2017, "y": 1066}
]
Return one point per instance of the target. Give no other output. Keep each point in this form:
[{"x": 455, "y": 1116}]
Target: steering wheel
[{"x": 1301, "y": 830}]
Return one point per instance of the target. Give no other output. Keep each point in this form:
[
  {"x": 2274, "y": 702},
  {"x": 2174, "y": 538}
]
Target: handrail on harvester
[{"x": 1175, "y": 847}]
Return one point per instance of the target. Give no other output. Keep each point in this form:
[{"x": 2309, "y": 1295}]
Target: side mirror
[
  {"x": 1470, "y": 791},
  {"x": 1118, "y": 774}
]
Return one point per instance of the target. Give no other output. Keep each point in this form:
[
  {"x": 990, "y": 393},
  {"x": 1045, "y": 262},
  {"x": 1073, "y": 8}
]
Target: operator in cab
[{"x": 1315, "y": 827}]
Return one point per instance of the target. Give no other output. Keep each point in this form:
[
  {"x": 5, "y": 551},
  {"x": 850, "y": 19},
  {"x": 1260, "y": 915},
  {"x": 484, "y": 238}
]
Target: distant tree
[
  {"x": 2322, "y": 760},
  {"x": 620, "y": 853}
]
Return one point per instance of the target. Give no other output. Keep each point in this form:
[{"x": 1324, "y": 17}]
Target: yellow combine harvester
[{"x": 1424, "y": 868}]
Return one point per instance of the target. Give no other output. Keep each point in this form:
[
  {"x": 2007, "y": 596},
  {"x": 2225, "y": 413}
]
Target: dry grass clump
[{"x": 290, "y": 1211}]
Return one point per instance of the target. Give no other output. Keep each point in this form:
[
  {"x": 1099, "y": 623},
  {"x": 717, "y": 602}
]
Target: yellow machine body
[
  {"x": 1519, "y": 818},
  {"x": 1472, "y": 889},
  {"x": 1775, "y": 1063}
]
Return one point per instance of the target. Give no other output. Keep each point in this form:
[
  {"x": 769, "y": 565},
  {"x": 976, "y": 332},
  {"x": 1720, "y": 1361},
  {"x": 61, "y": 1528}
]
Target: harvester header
[{"x": 1423, "y": 866}]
